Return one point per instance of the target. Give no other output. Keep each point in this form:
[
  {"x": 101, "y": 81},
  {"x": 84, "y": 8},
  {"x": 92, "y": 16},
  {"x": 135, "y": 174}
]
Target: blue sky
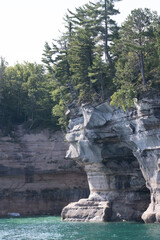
[{"x": 27, "y": 24}]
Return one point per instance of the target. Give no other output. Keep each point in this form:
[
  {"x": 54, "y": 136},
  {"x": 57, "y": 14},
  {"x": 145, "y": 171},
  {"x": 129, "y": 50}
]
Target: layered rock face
[
  {"x": 35, "y": 178},
  {"x": 120, "y": 152}
]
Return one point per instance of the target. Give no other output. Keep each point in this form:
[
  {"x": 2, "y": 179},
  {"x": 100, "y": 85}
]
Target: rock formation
[
  {"x": 120, "y": 152},
  {"x": 35, "y": 178}
]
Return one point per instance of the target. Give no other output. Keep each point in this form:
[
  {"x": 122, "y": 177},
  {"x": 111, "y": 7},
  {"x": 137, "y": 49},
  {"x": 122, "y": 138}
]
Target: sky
[{"x": 25, "y": 25}]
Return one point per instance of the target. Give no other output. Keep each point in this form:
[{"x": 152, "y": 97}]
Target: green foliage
[
  {"x": 76, "y": 60},
  {"x": 137, "y": 57},
  {"x": 3, "y": 65},
  {"x": 26, "y": 96},
  {"x": 59, "y": 111},
  {"x": 80, "y": 58},
  {"x": 124, "y": 97},
  {"x": 157, "y": 45},
  {"x": 93, "y": 60}
]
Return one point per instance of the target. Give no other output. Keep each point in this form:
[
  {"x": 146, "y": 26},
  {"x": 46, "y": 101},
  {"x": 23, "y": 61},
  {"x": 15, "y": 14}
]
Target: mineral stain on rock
[{"x": 35, "y": 178}]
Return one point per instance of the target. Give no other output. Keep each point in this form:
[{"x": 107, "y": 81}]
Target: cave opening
[{"x": 130, "y": 196}]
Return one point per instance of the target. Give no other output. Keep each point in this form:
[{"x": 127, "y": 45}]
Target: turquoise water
[{"x": 51, "y": 228}]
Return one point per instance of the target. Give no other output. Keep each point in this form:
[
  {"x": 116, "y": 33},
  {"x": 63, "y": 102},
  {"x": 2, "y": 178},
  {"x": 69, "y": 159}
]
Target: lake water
[{"x": 51, "y": 228}]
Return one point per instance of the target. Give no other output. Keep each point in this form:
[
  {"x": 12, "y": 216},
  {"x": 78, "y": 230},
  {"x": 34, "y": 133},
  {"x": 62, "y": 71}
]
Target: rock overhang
[{"x": 107, "y": 139}]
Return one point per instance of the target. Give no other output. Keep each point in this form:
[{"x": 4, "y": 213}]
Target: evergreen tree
[
  {"x": 56, "y": 61},
  {"x": 80, "y": 59},
  {"x": 137, "y": 35},
  {"x": 107, "y": 26},
  {"x": 76, "y": 59},
  {"x": 26, "y": 96},
  {"x": 97, "y": 18},
  {"x": 136, "y": 56},
  {"x": 3, "y": 65}
]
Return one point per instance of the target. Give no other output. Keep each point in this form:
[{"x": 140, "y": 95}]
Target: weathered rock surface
[
  {"x": 120, "y": 152},
  {"x": 89, "y": 210},
  {"x": 35, "y": 178}
]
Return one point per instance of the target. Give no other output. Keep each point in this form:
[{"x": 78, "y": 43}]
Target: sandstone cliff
[
  {"x": 35, "y": 178},
  {"x": 120, "y": 152}
]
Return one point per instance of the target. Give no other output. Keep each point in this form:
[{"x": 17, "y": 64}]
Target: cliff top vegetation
[{"x": 94, "y": 60}]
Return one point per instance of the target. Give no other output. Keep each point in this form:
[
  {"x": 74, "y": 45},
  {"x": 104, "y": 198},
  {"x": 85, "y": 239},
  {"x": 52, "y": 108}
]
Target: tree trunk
[
  {"x": 141, "y": 64},
  {"x": 107, "y": 56}
]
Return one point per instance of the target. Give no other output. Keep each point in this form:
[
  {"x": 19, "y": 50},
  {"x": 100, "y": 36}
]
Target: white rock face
[{"x": 121, "y": 156}]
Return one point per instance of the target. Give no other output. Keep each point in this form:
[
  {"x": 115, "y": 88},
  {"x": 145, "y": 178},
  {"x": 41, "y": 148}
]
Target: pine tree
[
  {"x": 97, "y": 18},
  {"x": 3, "y": 65},
  {"x": 137, "y": 35},
  {"x": 136, "y": 56}
]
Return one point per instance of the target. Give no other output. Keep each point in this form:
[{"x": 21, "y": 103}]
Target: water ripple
[{"x": 51, "y": 228}]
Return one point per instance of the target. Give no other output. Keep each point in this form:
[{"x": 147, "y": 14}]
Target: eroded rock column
[
  {"x": 149, "y": 160},
  {"x": 113, "y": 146},
  {"x": 146, "y": 138},
  {"x": 117, "y": 187}
]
